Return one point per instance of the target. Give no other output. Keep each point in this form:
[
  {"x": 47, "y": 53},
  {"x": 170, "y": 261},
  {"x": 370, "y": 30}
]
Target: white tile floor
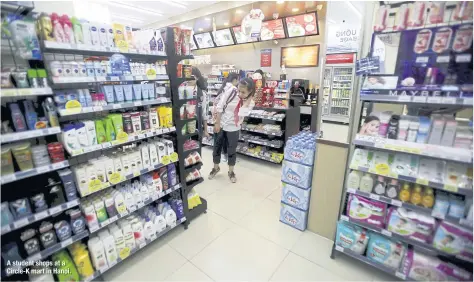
[{"x": 241, "y": 239}]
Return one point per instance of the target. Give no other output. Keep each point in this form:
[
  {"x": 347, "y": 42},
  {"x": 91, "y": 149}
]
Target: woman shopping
[{"x": 232, "y": 105}]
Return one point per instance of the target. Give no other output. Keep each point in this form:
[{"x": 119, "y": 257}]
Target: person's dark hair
[
  {"x": 231, "y": 77},
  {"x": 371, "y": 118},
  {"x": 260, "y": 72},
  {"x": 249, "y": 84},
  {"x": 200, "y": 80}
]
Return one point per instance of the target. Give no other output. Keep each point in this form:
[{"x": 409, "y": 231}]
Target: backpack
[{"x": 217, "y": 100}]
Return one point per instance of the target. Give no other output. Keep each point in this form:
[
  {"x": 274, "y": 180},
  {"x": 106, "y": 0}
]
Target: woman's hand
[{"x": 217, "y": 128}]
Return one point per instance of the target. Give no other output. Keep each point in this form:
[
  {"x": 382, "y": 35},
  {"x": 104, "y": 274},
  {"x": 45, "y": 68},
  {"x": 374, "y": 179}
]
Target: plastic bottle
[
  {"x": 366, "y": 183},
  {"x": 30, "y": 114},
  {"x": 67, "y": 27},
  {"x": 379, "y": 187},
  {"x": 86, "y": 32},
  {"x": 96, "y": 249},
  {"x": 392, "y": 190},
  {"x": 405, "y": 193},
  {"x": 428, "y": 198},
  {"x": 58, "y": 30},
  {"x": 77, "y": 28},
  {"x": 17, "y": 118},
  {"x": 354, "y": 180}
]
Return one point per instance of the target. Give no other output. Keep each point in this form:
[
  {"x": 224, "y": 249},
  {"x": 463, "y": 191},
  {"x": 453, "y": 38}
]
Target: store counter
[{"x": 327, "y": 186}]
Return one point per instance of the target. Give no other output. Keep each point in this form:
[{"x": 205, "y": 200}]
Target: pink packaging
[
  {"x": 366, "y": 211},
  {"x": 420, "y": 267},
  {"x": 410, "y": 224},
  {"x": 454, "y": 240}
]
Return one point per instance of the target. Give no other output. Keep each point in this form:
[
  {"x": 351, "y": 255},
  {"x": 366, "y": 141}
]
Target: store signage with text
[
  {"x": 272, "y": 30},
  {"x": 266, "y": 58},
  {"x": 340, "y": 59},
  {"x": 343, "y": 38}
]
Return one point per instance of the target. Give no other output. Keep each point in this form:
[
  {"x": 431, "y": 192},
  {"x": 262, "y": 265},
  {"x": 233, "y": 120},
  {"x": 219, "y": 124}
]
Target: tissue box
[
  {"x": 295, "y": 197},
  {"x": 297, "y": 174},
  {"x": 299, "y": 155},
  {"x": 293, "y": 217}
]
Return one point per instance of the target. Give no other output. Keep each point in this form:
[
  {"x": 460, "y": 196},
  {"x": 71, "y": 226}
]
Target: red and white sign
[
  {"x": 302, "y": 25},
  {"x": 334, "y": 59},
  {"x": 266, "y": 58},
  {"x": 272, "y": 30}
]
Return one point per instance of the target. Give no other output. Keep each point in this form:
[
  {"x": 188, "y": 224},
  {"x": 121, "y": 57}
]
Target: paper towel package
[
  {"x": 293, "y": 217},
  {"x": 297, "y": 174},
  {"x": 295, "y": 197}
]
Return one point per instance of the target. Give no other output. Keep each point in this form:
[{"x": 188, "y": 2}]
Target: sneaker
[
  {"x": 224, "y": 158},
  {"x": 232, "y": 177},
  {"x": 214, "y": 172}
]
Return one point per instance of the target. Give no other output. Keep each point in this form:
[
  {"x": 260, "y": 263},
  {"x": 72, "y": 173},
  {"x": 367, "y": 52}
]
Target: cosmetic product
[
  {"x": 119, "y": 96},
  {"x": 392, "y": 130},
  {"x": 403, "y": 128},
  {"x": 422, "y": 42},
  {"x": 127, "y": 89},
  {"x": 436, "y": 13},
  {"x": 449, "y": 132},
  {"x": 401, "y": 19},
  {"x": 423, "y": 130},
  {"x": 413, "y": 130},
  {"x": 436, "y": 130},
  {"x": 442, "y": 39},
  {"x": 463, "y": 39},
  {"x": 393, "y": 189},
  {"x": 384, "y": 120}
]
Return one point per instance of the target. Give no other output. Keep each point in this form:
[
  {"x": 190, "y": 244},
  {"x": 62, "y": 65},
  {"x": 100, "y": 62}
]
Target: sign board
[
  {"x": 266, "y": 57},
  {"x": 342, "y": 38},
  {"x": 334, "y": 59},
  {"x": 300, "y": 56},
  {"x": 367, "y": 65}
]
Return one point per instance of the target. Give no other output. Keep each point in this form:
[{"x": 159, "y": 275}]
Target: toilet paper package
[
  {"x": 410, "y": 224},
  {"x": 382, "y": 250},
  {"x": 293, "y": 217},
  {"x": 297, "y": 174},
  {"x": 351, "y": 237},
  {"x": 453, "y": 239},
  {"x": 366, "y": 211},
  {"x": 421, "y": 267},
  {"x": 295, "y": 197}
]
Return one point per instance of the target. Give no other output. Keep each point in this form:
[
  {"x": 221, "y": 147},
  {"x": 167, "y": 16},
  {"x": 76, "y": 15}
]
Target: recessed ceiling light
[
  {"x": 200, "y": 29},
  {"x": 226, "y": 23},
  {"x": 135, "y": 8},
  {"x": 174, "y": 3},
  {"x": 239, "y": 11},
  {"x": 280, "y": 1},
  {"x": 295, "y": 10}
]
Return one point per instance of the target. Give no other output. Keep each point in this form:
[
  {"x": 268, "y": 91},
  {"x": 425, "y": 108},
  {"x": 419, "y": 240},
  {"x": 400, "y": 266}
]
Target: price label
[
  {"x": 129, "y": 77},
  {"x": 72, "y": 203},
  {"x": 344, "y": 217},
  {"x": 419, "y": 99},
  {"x": 20, "y": 223},
  {"x": 106, "y": 145},
  {"x": 166, "y": 130},
  {"x": 138, "y": 103},
  {"x": 161, "y": 194},
  {"x": 114, "y": 78},
  {"x": 451, "y": 188},
  {"x": 374, "y": 197},
  {"x": 448, "y": 100},
  {"x": 105, "y": 222},
  {"x": 42, "y": 169},
  {"x": 422, "y": 60},
  {"x": 8, "y": 178},
  {"x": 396, "y": 203},
  {"x": 339, "y": 248},
  {"x": 422, "y": 181},
  {"x": 97, "y": 108},
  {"x": 116, "y": 106},
  {"x": 464, "y": 58},
  {"x": 59, "y": 165},
  {"x": 142, "y": 245},
  {"x": 112, "y": 263},
  {"x": 386, "y": 233},
  {"x": 404, "y": 98},
  {"x": 467, "y": 101},
  {"x": 66, "y": 243},
  {"x": 141, "y": 136},
  {"x": 153, "y": 237},
  {"x": 55, "y": 210},
  {"x": 41, "y": 215},
  {"x": 434, "y": 100},
  {"x": 100, "y": 78},
  {"x": 442, "y": 59}
]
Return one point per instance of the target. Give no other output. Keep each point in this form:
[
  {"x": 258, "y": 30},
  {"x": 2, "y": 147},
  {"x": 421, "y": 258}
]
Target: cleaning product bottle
[
  {"x": 51, "y": 112},
  {"x": 100, "y": 132},
  {"x": 405, "y": 193},
  {"x": 58, "y": 30},
  {"x": 366, "y": 183},
  {"x": 67, "y": 27},
  {"x": 416, "y": 195},
  {"x": 77, "y": 28},
  {"x": 30, "y": 113},
  {"x": 428, "y": 198},
  {"x": 17, "y": 117}
]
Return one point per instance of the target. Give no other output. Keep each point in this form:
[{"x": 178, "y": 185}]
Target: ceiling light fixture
[
  {"x": 239, "y": 11},
  {"x": 127, "y": 18},
  {"x": 208, "y": 19},
  {"x": 295, "y": 10},
  {"x": 226, "y": 23},
  {"x": 173, "y": 3},
  {"x": 354, "y": 8},
  {"x": 135, "y": 8},
  {"x": 280, "y": 1}
]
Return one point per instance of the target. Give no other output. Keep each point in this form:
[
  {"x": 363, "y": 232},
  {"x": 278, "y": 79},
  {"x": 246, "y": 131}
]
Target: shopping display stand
[
  {"x": 449, "y": 97},
  {"x": 173, "y": 61}
]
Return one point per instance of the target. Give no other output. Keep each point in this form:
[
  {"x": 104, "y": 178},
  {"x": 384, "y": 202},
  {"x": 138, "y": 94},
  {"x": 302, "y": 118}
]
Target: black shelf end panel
[{"x": 198, "y": 210}]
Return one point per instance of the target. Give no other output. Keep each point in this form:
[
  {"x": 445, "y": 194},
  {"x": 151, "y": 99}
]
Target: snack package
[
  {"x": 192, "y": 158},
  {"x": 382, "y": 250},
  {"x": 366, "y": 210},
  {"x": 193, "y": 175},
  {"x": 351, "y": 237},
  {"x": 410, "y": 224},
  {"x": 177, "y": 40}
]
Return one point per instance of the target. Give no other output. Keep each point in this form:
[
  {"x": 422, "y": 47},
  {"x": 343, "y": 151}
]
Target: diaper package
[
  {"x": 293, "y": 217},
  {"x": 382, "y": 250},
  {"x": 295, "y": 197},
  {"x": 297, "y": 174},
  {"x": 410, "y": 224},
  {"x": 351, "y": 237},
  {"x": 420, "y": 267},
  {"x": 453, "y": 239},
  {"x": 366, "y": 210}
]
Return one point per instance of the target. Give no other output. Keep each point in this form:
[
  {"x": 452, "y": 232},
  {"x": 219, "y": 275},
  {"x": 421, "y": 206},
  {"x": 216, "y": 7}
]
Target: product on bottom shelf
[
  {"x": 382, "y": 250},
  {"x": 192, "y": 158},
  {"x": 259, "y": 151},
  {"x": 366, "y": 211},
  {"x": 193, "y": 199},
  {"x": 352, "y": 237},
  {"x": 293, "y": 216},
  {"x": 65, "y": 265},
  {"x": 297, "y": 174},
  {"x": 193, "y": 175}
]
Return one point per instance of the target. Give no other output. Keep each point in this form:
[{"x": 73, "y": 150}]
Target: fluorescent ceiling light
[
  {"x": 239, "y": 11},
  {"x": 200, "y": 29},
  {"x": 174, "y": 3},
  {"x": 127, "y": 18},
  {"x": 280, "y": 1},
  {"x": 226, "y": 23},
  {"x": 354, "y": 8},
  {"x": 135, "y": 8},
  {"x": 295, "y": 10},
  {"x": 331, "y": 21}
]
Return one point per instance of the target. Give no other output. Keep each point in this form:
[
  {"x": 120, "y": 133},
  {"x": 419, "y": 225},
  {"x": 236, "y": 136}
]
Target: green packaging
[
  {"x": 109, "y": 130},
  {"x": 100, "y": 131},
  {"x": 117, "y": 122}
]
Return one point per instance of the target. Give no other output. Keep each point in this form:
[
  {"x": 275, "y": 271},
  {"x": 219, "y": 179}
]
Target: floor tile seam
[
  {"x": 278, "y": 266},
  {"x": 322, "y": 266}
]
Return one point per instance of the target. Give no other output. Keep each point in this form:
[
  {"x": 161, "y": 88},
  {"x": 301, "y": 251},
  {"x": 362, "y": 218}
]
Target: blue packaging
[
  {"x": 297, "y": 174},
  {"x": 293, "y": 217},
  {"x": 295, "y": 197},
  {"x": 382, "y": 250},
  {"x": 351, "y": 237},
  {"x": 172, "y": 175},
  {"x": 300, "y": 148}
]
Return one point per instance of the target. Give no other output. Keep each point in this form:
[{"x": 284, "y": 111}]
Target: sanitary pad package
[
  {"x": 297, "y": 174},
  {"x": 453, "y": 239},
  {"x": 410, "y": 224},
  {"x": 420, "y": 267},
  {"x": 351, "y": 237},
  {"x": 295, "y": 197},
  {"x": 366, "y": 211},
  {"x": 294, "y": 217},
  {"x": 382, "y": 250}
]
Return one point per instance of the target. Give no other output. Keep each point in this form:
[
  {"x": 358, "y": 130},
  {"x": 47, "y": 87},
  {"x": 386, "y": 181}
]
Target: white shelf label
[
  {"x": 41, "y": 215},
  {"x": 419, "y": 99},
  {"x": 141, "y": 136},
  {"x": 422, "y": 60},
  {"x": 339, "y": 248},
  {"x": 97, "y": 108},
  {"x": 374, "y": 197},
  {"x": 396, "y": 203},
  {"x": 59, "y": 165},
  {"x": 344, "y": 217},
  {"x": 404, "y": 98},
  {"x": 128, "y": 77},
  {"x": 464, "y": 58},
  {"x": 113, "y": 218},
  {"x": 55, "y": 210},
  {"x": 449, "y": 100},
  {"x": 66, "y": 243},
  {"x": 142, "y": 245},
  {"x": 114, "y": 78},
  {"x": 442, "y": 59},
  {"x": 8, "y": 178},
  {"x": 20, "y": 222},
  {"x": 138, "y": 103},
  {"x": 386, "y": 233},
  {"x": 42, "y": 169}
]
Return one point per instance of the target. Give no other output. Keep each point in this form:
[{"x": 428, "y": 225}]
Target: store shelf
[
  {"x": 24, "y": 135},
  {"x": 334, "y": 106},
  {"x": 76, "y": 82},
  {"x": 198, "y": 210},
  {"x": 33, "y": 172},
  {"x": 421, "y": 181},
  {"x": 364, "y": 259},
  {"x": 428, "y": 150},
  {"x": 258, "y": 157},
  {"x": 68, "y": 48},
  {"x": 422, "y": 247},
  {"x": 109, "y": 107},
  {"x": 264, "y": 143},
  {"x": 266, "y": 117},
  {"x": 398, "y": 203},
  {"x": 19, "y": 223},
  {"x": 12, "y": 92},
  {"x": 192, "y": 167},
  {"x": 264, "y": 132},
  {"x": 134, "y": 251},
  {"x": 107, "y": 185},
  {"x": 146, "y": 203},
  {"x": 44, "y": 254},
  {"x": 270, "y": 109},
  {"x": 405, "y": 99},
  {"x": 281, "y": 90},
  {"x": 115, "y": 143},
  {"x": 341, "y": 98},
  {"x": 191, "y": 184}
]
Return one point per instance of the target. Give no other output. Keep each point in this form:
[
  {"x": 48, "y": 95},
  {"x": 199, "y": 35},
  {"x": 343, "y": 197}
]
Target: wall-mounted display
[
  {"x": 302, "y": 25},
  {"x": 193, "y": 45},
  {"x": 240, "y": 37},
  {"x": 300, "y": 56},
  {"x": 223, "y": 37},
  {"x": 204, "y": 40},
  {"x": 272, "y": 30}
]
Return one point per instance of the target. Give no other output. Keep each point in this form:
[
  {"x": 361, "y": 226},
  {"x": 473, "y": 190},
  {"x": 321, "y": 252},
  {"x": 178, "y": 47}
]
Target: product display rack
[{"x": 452, "y": 97}]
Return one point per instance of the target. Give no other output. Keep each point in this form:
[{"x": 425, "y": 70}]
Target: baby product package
[
  {"x": 299, "y": 155},
  {"x": 366, "y": 211},
  {"x": 421, "y": 267},
  {"x": 411, "y": 224},
  {"x": 404, "y": 164},
  {"x": 293, "y": 217},
  {"x": 295, "y": 197},
  {"x": 297, "y": 174},
  {"x": 381, "y": 163},
  {"x": 453, "y": 239},
  {"x": 351, "y": 237},
  {"x": 382, "y": 250},
  {"x": 362, "y": 159}
]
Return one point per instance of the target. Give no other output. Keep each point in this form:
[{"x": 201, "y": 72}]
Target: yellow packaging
[
  {"x": 82, "y": 260},
  {"x": 129, "y": 37},
  {"x": 166, "y": 116},
  {"x": 119, "y": 37}
]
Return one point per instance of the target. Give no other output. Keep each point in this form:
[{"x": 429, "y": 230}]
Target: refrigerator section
[{"x": 327, "y": 89}]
